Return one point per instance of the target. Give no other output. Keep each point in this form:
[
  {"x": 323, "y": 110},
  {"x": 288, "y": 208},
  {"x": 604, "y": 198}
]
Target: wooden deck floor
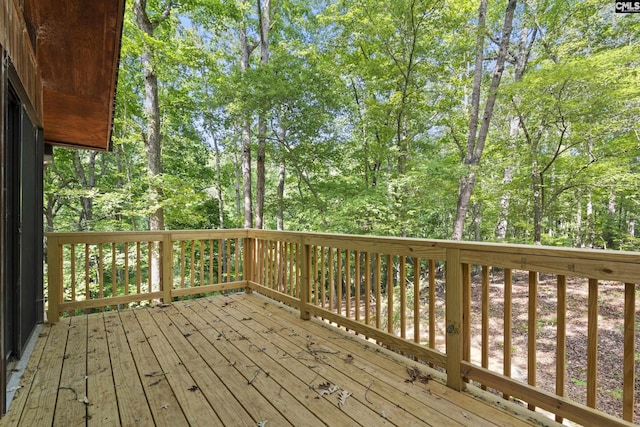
[{"x": 237, "y": 361}]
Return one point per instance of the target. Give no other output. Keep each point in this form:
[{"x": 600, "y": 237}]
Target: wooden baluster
[
  {"x": 316, "y": 266},
  {"x": 592, "y": 344},
  {"x": 138, "y": 267},
  {"x": 532, "y": 332},
  {"x": 126, "y": 268},
  {"x": 322, "y": 277},
  {"x": 150, "y": 264},
  {"x": 192, "y": 264},
  {"x": 432, "y": 303},
  {"x": 466, "y": 313},
  {"x": 87, "y": 288},
  {"x": 508, "y": 309},
  {"x": 166, "y": 267},
  {"x": 378, "y": 281},
  {"x": 390, "y": 294},
  {"x": 73, "y": 275},
  {"x": 101, "y": 271},
  {"x": 201, "y": 281},
  {"x": 211, "y": 251},
  {"x": 221, "y": 261},
  {"x": 228, "y": 257},
  {"x": 305, "y": 282},
  {"x": 561, "y": 338},
  {"x": 183, "y": 264},
  {"x": 331, "y": 280},
  {"x": 339, "y": 280},
  {"x": 485, "y": 319},
  {"x": 291, "y": 268},
  {"x": 403, "y": 297},
  {"x": 285, "y": 257},
  {"x": 113, "y": 270},
  {"x": 416, "y": 300},
  {"x": 357, "y": 285},
  {"x": 367, "y": 288},
  {"x": 347, "y": 282},
  {"x": 628, "y": 398},
  {"x": 237, "y": 257}
]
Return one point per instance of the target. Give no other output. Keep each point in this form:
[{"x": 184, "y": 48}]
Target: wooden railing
[
  {"x": 104, "y": 270},
  {"x": 511, "y": 319}
]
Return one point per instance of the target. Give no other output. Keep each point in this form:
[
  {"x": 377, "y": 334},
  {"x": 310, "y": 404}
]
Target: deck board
[
  {"x": 101, "y": 393},
  {"x": 232, "y": 360},
  {"x": 377, "y": 364},
  {"x": 163, "y": 404},
  {"x": 132, "y": 404}
]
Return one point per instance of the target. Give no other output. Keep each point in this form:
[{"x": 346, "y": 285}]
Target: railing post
[
  {"x": 305, "y": 283},
  {"x": 53, "y": 278},
  {"x": 454, "y": 310},
  {"x": 167, "y": 268},
  {"x": 247, "y": 263}
]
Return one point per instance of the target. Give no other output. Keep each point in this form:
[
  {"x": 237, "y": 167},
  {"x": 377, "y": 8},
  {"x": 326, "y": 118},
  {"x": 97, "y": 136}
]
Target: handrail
[{"x": 431, "y": 300}]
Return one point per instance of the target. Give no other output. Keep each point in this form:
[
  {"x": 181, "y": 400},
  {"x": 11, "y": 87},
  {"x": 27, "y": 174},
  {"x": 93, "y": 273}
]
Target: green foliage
[{"x": 367, "y": 107}]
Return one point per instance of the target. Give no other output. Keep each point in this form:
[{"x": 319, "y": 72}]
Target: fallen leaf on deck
[
  {"x": 164, "y": 406},
  {"x": 327, "y": 388},
  {"x": 349, "y": 358},
  {"x": 383, "y": 415},
  {"x": 262, "y": 423},
  {"x": 342, "y": 399},
  {"x": 416, "y": 375},
  {"x": 84, "y": 399},
  {"x": 193, "y": 388}
]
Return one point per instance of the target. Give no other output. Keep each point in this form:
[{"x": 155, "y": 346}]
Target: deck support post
[
  {"x": 166, "y": 257},
  {"x": 247, "y": 263},
  {"x": 54, "y": 258},
  {"x": 454, "y": 317},
  {"x": 305, "y": 283}
]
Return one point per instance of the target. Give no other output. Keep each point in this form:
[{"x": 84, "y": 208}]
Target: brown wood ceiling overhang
[{"x": 77, "y": 44}]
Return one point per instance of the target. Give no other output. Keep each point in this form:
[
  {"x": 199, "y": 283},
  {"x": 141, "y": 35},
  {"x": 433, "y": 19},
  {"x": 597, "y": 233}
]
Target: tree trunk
[
  {"x": 152, "y": 137},
  {"x": 476, "y": 139},
  {"x": 219, "y": 185},
  {"x": 264, "y": 16},
  {"x": 246, "y": 135},
  {"x": 281, "y": 181},
  {"x": 88, "y": 180},
  {"x": 521, "y": 61},
  {"x": 237, "y": 182}
]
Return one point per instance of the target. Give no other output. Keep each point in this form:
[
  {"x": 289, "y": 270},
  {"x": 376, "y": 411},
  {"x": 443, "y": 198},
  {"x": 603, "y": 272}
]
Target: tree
[{"x": 476, "y": 139}]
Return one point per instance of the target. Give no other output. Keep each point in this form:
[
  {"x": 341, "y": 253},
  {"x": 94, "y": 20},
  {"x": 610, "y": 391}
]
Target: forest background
[{"x": 514, "y": 121}]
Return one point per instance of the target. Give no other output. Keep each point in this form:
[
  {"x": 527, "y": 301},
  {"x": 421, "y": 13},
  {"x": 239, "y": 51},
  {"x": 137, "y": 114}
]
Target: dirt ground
[
  {"x": 610, "y": 332},
  {"x": 610, "y": 336}
]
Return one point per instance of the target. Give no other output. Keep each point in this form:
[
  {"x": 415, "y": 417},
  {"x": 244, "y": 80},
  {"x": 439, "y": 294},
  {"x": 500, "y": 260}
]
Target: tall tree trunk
[
  {"x": 476, "y": 139},
  {"x": 87, "y": 178},
  {"x": 219, "y": 184},
  {"x": 246, "y": 134},
  {"x": 152, "y": 137},
  {"x": 237, "y": 182},
  {"x": 281, "y": 181},
  {"x": 264, "y": 16},
  {"x": 521, "y": 60}
]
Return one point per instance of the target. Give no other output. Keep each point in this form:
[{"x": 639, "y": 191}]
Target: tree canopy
[{"x": 362, "y": 113}]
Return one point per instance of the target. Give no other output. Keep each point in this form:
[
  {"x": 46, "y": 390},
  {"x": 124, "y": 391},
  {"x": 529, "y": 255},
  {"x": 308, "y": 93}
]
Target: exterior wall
[
  {"x": 21, "y": 181},
  {"x": 14, "y": 39}
]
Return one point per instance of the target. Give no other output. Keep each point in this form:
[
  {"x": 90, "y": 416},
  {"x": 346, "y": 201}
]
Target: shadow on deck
[{"x": 239, "y": 360}]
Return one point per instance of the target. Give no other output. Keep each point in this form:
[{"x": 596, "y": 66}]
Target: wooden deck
[{"x": 236, "y": 360}]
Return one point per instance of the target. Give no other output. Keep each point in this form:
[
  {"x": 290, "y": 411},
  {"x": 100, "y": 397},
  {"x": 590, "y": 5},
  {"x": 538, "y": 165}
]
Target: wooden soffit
[{"x": 77, "y": 46}]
